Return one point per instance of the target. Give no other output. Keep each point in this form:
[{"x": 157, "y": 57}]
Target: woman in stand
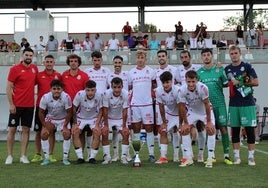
[
  {"x": 239, "y": 35},
  {"x": 260, "y": 36}
]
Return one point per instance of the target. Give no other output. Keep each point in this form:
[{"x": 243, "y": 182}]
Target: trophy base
[{"x": 136, "y": 164}]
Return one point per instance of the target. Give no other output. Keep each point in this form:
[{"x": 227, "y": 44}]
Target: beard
[
  {"x": 185, "y": 63},
  {"x": 27, "y": 61}
]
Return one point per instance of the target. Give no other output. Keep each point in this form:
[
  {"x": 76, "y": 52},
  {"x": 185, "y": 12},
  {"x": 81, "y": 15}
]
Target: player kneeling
[
  {"x": 115, "y": 107},
  {"x": 167, "y": 98},
  {"x": 58, "y": 105},
  {"x": 87, "y": 115}
]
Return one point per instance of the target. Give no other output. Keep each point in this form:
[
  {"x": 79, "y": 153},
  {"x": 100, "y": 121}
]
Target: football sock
[
  {"x": 45, "y": 147},
  {"x": 150, "y": 143},
  {"x": 66, "y": 148}
]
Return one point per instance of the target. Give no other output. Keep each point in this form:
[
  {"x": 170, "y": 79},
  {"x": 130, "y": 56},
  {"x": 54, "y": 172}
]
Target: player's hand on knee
[
  {"x": 163, "y": 128},
  {"x": 210, "y": 128},
  {"x": 125, "y": 131},
  {"x": 66, "y": 133},
  {"x": 105, "y": 131},
  {"x": 75, "y": 129},
  {"x": 185, "y": 129}
]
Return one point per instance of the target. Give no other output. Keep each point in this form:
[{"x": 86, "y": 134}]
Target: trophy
[{"x": 137, "y": 145}]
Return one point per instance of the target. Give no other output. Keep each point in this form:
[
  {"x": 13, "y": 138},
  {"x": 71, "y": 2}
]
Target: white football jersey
[
  {"x": 194, "y": 99},
  {"x": 141, "y": 81},
  {"x": 115, "y": 104},
  {"x": 170, "y": 99},
  {"x": 180, "y": 72},
  {"x": 123, "y": 75},
  {"x": 159, "y": 71},
  {"x": 87, "y": 108},
  {"x": 100, "y": 77},
  {"x": 56, "y": 109}
]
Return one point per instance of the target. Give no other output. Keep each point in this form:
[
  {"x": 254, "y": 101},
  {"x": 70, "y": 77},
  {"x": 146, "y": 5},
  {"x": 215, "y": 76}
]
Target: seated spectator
[
  {"x": 14, "y": 47},
  {"x": 145, "y": 41},
  {"x": 200, "y": 43},
  {"x": 222, "y": 43},
  {"x": 69, "y": 43},
  {"x": 139, "y": 38},
  {"x": 132, "y": 41},
  {"x": 77, "y": 45},
  {"x": 179, "y": 43}
]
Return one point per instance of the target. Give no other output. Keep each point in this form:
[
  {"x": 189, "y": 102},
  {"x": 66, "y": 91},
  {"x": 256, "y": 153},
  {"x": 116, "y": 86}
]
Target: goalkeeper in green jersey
[{"x": 215, "y": 78}]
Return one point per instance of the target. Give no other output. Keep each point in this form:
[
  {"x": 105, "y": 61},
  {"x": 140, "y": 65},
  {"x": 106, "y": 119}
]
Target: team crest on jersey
[
  {"x": 43, "y": 77},
  {"x": 22, "y": 70},
  {"x": 242, "y": 68},
  {"x": 79, "y": 77},
  {"x": 135, "y": 72},
  {"x": 103, "y": 71},
  {"x": 121, "y": 98},
  {"x": 96, "y": 101},
  {"x": 56, "y": 77},
  {"x": 33, "y": 71},
  {"x": 147, "y": 72}
]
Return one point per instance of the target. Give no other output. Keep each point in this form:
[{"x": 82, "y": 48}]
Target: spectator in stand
[
  {"x": 132, "y": 41},
  {"x": 87, "y": 45},
  {"x": 239, "y": 35},
  {"x": 251, "y": 36},
  {"x": 126, "y": 31},
  {"x": 202, "y": 28},
  {"x": 69, "y": 43},
  {"x": 24, "y": 44},
  {"x": 145, "y": 41},
  {"x": 170, "y": 41},
  {"x": 179, "y": 43},
  {"x": 52, "y": 44},
  {"x": 178, "y": 29},
  {"x": 98, "y": 43},
  {"x": 41, "y": 45},
  {"x": 14, "y": 47},
  {"x": 77, "y": 46},
  {"x": 154, "y": 45},
  {"x": 208, "y": 41},
  {"x": 222, "y": 45},
  {"x": 192, "y": 42},
  {"x": 113, "y": 45},
  {"x": 3, "y": 46},
  {"x": 139, "y": 38},
  {"x": 260, "y": 36},
  {"x": 200, "y": 43}
]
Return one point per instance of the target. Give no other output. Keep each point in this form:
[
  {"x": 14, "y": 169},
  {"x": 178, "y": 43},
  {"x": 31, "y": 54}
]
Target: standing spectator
[
  {"x": 251, "y": 36},
  {"x": 179, "y": 43},
  {"x": 239, "y": 35},
  {"x": 97, "y": 43},
  {"x": 126, "y": 31},
  {"x": 178, "y": 29},
  {"x": 192, "y": 42},
  {"x": 52, "y": 44},
  {"x": 242, "y": 111},
  {"x": 43, "y": 80},
  {"x": 153, "y": 45},
  {"x": 77, "y": 46},
  {"x": 87, "y": 45},
  {"x": 69, "y": 43},
  {"x": 208, "y": 41},
  {"x": 24, "y": 44},
  {"x": 140, "y": 38},
  {"x": 260, "y": 36},
  {"x": 40, "y": 46},
  {"x": 170, "y": 41},
  {"x": 113, "y": 45},
  {"x": 200, "y": 42},
  {"x": 132, "y": 41},
  {"x": 20, "y": 93}
]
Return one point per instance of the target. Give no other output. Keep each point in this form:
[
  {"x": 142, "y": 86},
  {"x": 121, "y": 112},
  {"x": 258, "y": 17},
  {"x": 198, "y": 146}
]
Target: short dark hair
[
  {"x": 49, "y": 56},
  {"x": 28, "y": 50},
  {"x": 162, "y": 51},
  {"x": 118, "y": 57},
  {"x": 205, "y": 50},
  {"x": 96, "y": 54},
  {"x": 191, "y": 74},
  {"x": 91, "y": 84},
  {"x": 73, "y": 56},
  {"x": 166, "y": 76},
  {"x": 185, "y": 51},
  {"x": 117, "y": 80},
  {"x": 56, "y": 82}
]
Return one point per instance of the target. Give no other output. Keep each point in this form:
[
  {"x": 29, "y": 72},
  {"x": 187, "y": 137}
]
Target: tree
[
  {"x": 260, "y": 16},
  {"x": 148, "y": 28}
]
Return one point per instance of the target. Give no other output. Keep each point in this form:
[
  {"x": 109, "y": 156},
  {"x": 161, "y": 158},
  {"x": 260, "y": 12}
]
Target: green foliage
[
  {"x": 148, "y": 28},
  {"x": 260, "y": 16}
]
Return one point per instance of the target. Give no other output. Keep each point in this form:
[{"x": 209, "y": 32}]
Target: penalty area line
[{"x": 258, "y": 150}]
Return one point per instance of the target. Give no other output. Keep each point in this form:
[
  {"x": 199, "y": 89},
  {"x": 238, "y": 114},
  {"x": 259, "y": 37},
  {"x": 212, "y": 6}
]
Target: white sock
[
  {"x": 236, "y": 153},
  {"x": 115, "y": 142},
  {"x": 187, "y": 145},
  {"x": 79, "y": 153},
  {"x": 251, "y": 154},
  {"x": 176, "y": 144},
  {"x": 211, "y": 146},
  {"x": 158, "y": 139},
  {"x": 163, "y": 150},
  {"x": 125, "y": 150},
  {"x": 66, "y": 148},
  {"x": 150, "y": 143},
  {"x": 136, "y": 136},
  {"x": 106, "y": 151},
  {"x": 45, "y": 147},
  {"x": 201, "y": 140},
  {"x": 89, "y": 141},
  {"x": 93, "y": 153}
]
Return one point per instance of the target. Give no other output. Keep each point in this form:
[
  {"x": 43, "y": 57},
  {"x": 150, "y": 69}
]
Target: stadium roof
[{"x": 15, "y": 4}]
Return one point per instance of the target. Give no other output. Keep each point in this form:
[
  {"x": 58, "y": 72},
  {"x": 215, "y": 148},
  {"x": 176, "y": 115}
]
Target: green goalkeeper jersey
[{"x": 215, "y": 79}]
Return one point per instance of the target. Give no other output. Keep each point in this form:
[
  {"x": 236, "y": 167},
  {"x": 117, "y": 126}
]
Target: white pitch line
[{"x": 258, "y": 150}]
